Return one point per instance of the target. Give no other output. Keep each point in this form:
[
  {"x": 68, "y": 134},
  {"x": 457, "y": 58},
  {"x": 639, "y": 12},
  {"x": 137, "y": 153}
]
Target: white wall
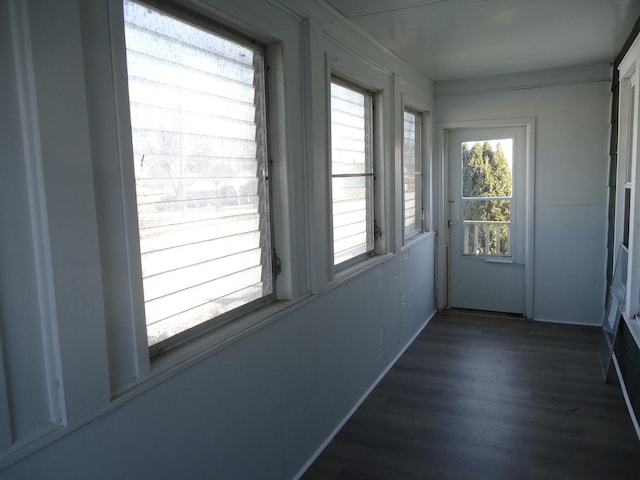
[
  {"x": 261, "y": 407},
  {"x": 82, "y": 399},
  {"x": 571, "y": 108}
]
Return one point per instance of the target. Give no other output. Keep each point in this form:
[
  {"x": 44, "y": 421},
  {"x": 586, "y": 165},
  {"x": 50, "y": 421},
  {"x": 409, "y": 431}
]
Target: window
[
  {"x": 352, "y": 172},
  {"x": 412, "y": 172},
  {"x": 198, "y": 119},
  {"x": 625, "y": 180},
  {"x": 628, "y": 179}
]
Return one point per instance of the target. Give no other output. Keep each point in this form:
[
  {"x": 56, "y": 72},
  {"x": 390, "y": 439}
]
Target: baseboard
[
  {"x": 349, "y": 414},
  {"x": 568, "y": 322},
  {"x": 627, "y": 400}
]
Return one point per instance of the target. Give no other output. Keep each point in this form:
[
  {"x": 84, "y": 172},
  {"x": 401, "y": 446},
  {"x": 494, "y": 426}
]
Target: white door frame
[{"x": 443, "y": 205}]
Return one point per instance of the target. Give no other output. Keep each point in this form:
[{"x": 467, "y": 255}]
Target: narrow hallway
[{"x": 482, "y": 397}]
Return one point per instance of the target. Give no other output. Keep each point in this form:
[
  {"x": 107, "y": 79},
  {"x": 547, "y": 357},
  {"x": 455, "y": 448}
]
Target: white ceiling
[{"x": 460, "y": 39}]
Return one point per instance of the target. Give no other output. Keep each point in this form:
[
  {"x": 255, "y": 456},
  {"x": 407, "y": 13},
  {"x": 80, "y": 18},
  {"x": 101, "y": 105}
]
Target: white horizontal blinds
[
  {"x": 352, "y": 172},
  {"x": 199, "y": 141},
  {"x": 411, "y": 154}
]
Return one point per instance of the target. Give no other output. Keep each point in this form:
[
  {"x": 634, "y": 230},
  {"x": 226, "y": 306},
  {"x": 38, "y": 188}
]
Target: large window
[
  {"x": 198, "y": 122},
  {"x": 352, "y": 172},
  {"x": 412, "y": 172}
]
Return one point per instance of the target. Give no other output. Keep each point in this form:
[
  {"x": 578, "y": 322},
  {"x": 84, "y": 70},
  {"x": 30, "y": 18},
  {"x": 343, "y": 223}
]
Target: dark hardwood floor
[{"x": 489, "y": 397}]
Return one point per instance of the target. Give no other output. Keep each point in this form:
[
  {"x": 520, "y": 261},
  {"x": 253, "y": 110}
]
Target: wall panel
[{"x": 570, "y": 181}]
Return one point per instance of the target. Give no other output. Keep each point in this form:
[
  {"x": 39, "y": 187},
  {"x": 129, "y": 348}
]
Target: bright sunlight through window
[
  {"x": 352, "y": 172},
  {"x": 197, "y": 104}
]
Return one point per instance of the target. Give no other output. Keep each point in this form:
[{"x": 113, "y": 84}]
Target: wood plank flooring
[{"x": 487, "y": 397}]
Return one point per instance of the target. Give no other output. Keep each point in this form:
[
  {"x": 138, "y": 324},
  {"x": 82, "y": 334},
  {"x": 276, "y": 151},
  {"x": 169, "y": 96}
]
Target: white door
[{"x": 487, "y": 225}]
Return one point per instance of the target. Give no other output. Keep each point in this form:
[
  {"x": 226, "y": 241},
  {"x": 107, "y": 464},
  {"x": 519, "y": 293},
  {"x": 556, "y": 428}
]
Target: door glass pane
[
  {"x": 487, "y": 197},
  {"x": 487, "y": 237}
]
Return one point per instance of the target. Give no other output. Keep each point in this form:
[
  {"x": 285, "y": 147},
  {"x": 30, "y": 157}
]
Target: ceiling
[{"x": 460, "y": 39}]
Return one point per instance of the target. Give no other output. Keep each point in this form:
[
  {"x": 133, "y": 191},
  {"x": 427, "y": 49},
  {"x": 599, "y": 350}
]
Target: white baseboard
[
  {"x": 568, "y": 322},
  {"x": 341, "y": 424}
]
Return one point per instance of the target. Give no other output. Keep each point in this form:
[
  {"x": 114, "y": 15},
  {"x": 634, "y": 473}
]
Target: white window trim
[
  {"x": 419, "y": 216},
  {"x": 18, "y": 16},
  {"x": 64, "y": 245},
  {"x": 628, "y": 152},
  {"x": 348, "y": 66},
  {"x": 127, "y": 332},
  {"x": 195, "y": 20},
  {"x": 416, "y": 101},
  {"x": 625, "y": 148},
  {"x": 370, "y": 214}
]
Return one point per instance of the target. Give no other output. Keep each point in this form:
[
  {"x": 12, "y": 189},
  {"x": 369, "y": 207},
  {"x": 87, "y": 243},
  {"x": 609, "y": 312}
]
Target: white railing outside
[{"x": 487, "y": 238}]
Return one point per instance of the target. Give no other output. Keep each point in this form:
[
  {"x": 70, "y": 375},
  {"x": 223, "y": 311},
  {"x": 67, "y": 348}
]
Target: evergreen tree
[{"x": 486, "y": 173}]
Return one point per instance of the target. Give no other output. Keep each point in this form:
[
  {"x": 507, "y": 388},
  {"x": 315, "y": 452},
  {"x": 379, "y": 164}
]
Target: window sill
[
  {"x": 417, "y": 239},
  {"x": 634, "y": 328},
  {"x": 360, "y": 268},
  {"x": 208, "y": 343},
  {"x": 353, "y": 271}
]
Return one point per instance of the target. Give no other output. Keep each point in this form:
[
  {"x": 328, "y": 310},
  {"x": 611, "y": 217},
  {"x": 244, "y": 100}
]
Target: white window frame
[
  {"x": 627, "y": 177},
  {"x": 627, "y": 202},
  {"x": 358, "y": 71},
  {"x": 192, "y": 18},
  {"x": 412, "y": 98},
  {"x": 419, "y": 216},
  {"x": 129, "y": 355},
  {"x": 370, "y": 172},
  {"x": 624, "y": 176}
]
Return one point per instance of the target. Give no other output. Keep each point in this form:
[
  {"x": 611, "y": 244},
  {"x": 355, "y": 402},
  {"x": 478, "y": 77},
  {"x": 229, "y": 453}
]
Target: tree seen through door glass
[{"x": 487, "y": 197}]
